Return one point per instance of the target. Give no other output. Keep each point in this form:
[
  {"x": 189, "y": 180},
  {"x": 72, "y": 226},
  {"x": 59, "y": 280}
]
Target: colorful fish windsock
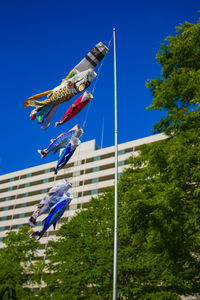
[
  {"x": 76, "y": 81},
  {"x": 92, "y": 59},
  {"x": 64, "y": 92},
  {"x": 75, "y": 108},
  {"x": 67, "y": 153},
  {"x": 51, "y": 198},
  {"x": 54, "y": 215},
  {"x": 62, "y": 140}
]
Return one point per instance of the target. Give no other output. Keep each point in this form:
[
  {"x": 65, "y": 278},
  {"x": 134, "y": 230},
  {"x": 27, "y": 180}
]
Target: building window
[
  {"x": 94, "y": 192},
  {"x": 21, "y": 215},
  {"x": 94, "y": 180},
  {"x": 44, "y": 191},
  {"x": 1, "y": 239},
  {"x": 95, "y": 169},
  {"x": 11, "y": 179},
  {"x": 25, "y": 195},
  {"x": 4, "y": 218},
  {"x": 19, "y": 225},
  {"x": 45, "y": 180},
  {"x": 120, "y": 152},
  {"x": 28, "y": 175},
  {"x": 47, "y": 170},
  {"x": 6, "y": 208},
  {"x": 96, "y": 158},
  {"x": 27, "y": 184},
  {"x": 2, "y": 228},
  {"x": 8, "y": 198},
  {"x": 23, "y": 204},
  {"x": 10, "y": 188},
  {"x": 121, "y": 163}
]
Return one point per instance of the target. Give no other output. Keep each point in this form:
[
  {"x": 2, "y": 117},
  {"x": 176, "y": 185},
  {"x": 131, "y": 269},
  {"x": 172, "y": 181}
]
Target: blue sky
[{"x": 41, "y": 41}]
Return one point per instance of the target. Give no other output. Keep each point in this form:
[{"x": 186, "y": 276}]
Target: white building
[{"x": 89, "y": 171}]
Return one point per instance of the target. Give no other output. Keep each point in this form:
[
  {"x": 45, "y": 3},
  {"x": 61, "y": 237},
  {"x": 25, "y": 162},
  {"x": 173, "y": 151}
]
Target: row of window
[
  {"x": 26, "y": 175},
  {"x": 94, "y": 180},
  {"x": 12, "y": 206},
  {"x": 3, "y": 228},
  {"x": 96, "y": 158},
  {"x": 28, "y": 214},
  {"x": 16, "y": 216},
  {"x": 95, "y": 169},
  {"x": 20, "y": 186},
  {"x": 24, "y": 195},
  {"x": 39, "y": 223}
]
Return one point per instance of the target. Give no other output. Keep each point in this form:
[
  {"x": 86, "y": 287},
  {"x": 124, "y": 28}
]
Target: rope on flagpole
[{"x": 95, "y": 83}]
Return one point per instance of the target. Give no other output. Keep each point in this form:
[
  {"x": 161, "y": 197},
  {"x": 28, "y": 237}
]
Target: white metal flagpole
[{"x": 116, "y": 181}]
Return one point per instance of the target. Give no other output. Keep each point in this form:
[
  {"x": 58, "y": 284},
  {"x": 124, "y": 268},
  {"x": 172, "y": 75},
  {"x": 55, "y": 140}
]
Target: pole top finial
[{"x": 113, "y": 29}]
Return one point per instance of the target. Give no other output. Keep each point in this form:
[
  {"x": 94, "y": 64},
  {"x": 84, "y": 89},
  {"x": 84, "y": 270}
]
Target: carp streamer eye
[{"x": 82, "y": 87}]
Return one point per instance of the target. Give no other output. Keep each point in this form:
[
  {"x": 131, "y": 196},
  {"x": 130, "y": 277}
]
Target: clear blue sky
[{"x": 41, "y": 41}]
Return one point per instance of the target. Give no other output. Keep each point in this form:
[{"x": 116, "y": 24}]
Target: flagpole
[{"x": 116, "y": 181}]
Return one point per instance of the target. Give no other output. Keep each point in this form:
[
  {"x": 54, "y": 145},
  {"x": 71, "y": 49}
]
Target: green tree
[
  {"x": 16, "y": 267},
  {"x": 177, "y": 91},
  {"x": 159, "y": 206},
  {"x": 163, "y": 214}
]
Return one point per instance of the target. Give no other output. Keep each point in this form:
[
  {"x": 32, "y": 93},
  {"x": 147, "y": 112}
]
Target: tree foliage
[
  {"x": 177, "y": 91},
  {"x": 16, "y": 267}
]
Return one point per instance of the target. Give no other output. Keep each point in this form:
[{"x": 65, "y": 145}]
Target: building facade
[{"x": 90, "y": 171}]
